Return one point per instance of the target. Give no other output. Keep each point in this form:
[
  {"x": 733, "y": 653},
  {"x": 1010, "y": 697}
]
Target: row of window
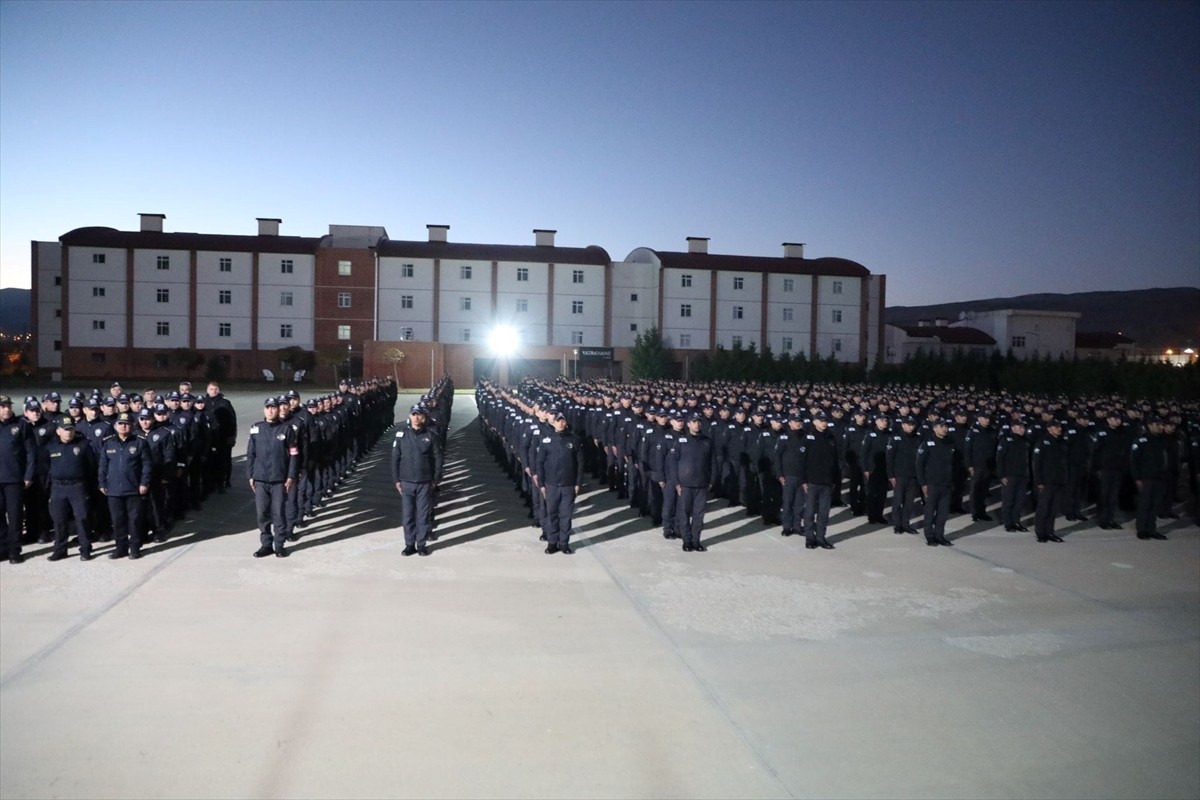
[
  {"x": 163, "y": 328},
  {"x": 739, "y": 283},
  {"x": 739, "y": 312},
  {"x": 287, "y": 266},
  {"x": 225, "y": 297}
]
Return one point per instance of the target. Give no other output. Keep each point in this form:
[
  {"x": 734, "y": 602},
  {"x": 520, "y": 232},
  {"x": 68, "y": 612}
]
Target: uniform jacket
[
  {"x": 124, "y": 466},
  {"x": 416, "y": 455},
  {"x": 1050, "y": 461},
  {"x": 935, "y": 461},
  {"x": 18, "y": 452},
  {"x": 272, "y": 455},
  {"x": 689, "y": 462},
  {"x": 559, "y": 459}
]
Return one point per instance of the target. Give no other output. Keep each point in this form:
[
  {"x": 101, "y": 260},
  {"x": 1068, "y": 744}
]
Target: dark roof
[
  {"x": 151, "y": 240},
  {"x": 468, "y": 251},
  {"x": 1100, "y": 340},
  {"x": 841, "y": 267},
  {"x": 948, "y": 335}
]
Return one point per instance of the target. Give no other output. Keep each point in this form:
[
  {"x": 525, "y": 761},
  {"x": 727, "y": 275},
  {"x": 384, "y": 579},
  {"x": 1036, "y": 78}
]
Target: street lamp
[
  {"x": 575, "y": 366},
  {"x": 349, "y": 360}
]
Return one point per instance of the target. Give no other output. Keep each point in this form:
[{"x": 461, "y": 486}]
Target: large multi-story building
[{"x": 115, "y": 303}]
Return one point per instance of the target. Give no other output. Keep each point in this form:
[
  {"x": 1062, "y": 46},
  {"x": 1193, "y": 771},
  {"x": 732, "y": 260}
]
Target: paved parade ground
[{"x": 884, "y": 668}]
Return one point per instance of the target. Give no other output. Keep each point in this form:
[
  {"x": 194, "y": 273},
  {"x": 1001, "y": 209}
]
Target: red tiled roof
[
  {"x": 1100, "y": 340},
  {"x": 467, "y": 251},
  {"x": 841, "y": 267},
  {"x": 150, "y": 240},
  {"x": 948, "y": 335}
]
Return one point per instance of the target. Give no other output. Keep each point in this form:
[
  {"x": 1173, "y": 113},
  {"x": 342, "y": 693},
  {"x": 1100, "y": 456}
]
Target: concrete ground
[{"x": 997, "y": 668}]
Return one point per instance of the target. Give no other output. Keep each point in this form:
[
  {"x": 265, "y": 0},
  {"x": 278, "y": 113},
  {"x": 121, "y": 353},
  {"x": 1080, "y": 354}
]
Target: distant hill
[
  {"x": 14, "y": 311},
  {"x": 1153, "y": 318}
]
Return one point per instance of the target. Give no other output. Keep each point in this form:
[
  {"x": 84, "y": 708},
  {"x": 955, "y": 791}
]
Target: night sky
[{"x": 967, "y": 150}]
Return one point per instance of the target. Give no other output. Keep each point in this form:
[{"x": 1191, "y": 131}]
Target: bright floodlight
[{"x": 503, "y": 340}]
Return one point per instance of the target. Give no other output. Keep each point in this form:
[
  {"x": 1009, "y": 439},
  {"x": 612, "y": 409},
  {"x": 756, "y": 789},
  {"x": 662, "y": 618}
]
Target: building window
[
  {"x": 789, "y": 284},
  {"x": 162, "y": 295},
  {"x": 58, "y": 345},
  {"x": 739, "y": 283},
  {"x": 685, "y": 340},
  {"x": 285, "y": 331},
  {"x": 343, "y": 332},
  {"x": 522, "y": 305},
  {"x": 1018, "y": 341},
  {"x": 286, "y": 266},
  {"x": 736, "y": 341},
  {"x": 685, "y": 281},
  {"x": 577, "y": 276},
  {"x": 406, "y": 270},
  {"x": 837, "y": 287},
  {"x": 98, "y": 358},
  {"x": 224, "y": 297},
  {"x": 58, "y": 313},
  {"x": 98, "y": 291},
  {"x": 576, "y": 337},
  {"x": 837, "y": 315},
  {"x": 738, "y": 312},
  {"x": 97, "y": 324},
  {"x": 343, "y": 268},
  {"x": 224, "y": 329},
  {"x": 685, "y": 310},
  {"x": 97, "y": 258},
  {"x": 406, "y": 301},
  {"x": 837, "y": 345},
  {"x": 164, "y": 262},
  {"x": 285, "y": 298},
  {"x": 465, "y": 335},
  {"x": 162, "y": 328},
  {"x": 787, "y": 344},
  {"x": 343, "y": 299},
  {"x": 788, "y": 314},
  {"x": 58, "y": 280},
  {"x": 633, "y": 297},
  {"x": 406, "y": 334},
  {"x": 633, "y": 326},
  {"x": 522, "y": 274},
  {"x": 464, "y": 304},
  {"x": 576, "y": 306},
  {"x": 226, "y": 265},
  {"x": 464, "y": 272}
]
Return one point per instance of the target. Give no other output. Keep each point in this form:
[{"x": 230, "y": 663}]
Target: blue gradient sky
[{"x": 966, "y": 150}]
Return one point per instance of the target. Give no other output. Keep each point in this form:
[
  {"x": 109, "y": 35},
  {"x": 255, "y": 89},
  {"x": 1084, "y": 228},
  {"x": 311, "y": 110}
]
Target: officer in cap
[
  {"x": 1050, "y": 468},
  {"x": 416, "y": 469},
  {"x": 689, "y": 469},
  {"x": 937, "y": 460},
  {"x": 72, "y": 467},
  {"x": 559, "y": 468},
  {"x": 18, "y": 456},
  {"x": 125, "y": 471},
  {"x": 271, "y": 456}
]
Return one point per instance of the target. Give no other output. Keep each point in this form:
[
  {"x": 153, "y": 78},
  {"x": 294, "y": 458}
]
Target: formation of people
[
  {"x": 127, "y": 467},
  {"x": 788, "y": 454}
]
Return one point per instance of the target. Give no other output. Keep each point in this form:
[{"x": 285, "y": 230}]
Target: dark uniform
[
  {"x": 18, "y": 457},
  {"x": 689, "y": 468},
  {"x": 271, "y": 467},
  {"x": 1148, "y": 463},
  {"x": 1050, "y": 473},
  {"x": 873, "y": 455},
  {"x": 416, "y": 467},
  {"x": 819, "y": 471},
  {"x": 125, "y": 468},
  {"x": 72, "y": 467},
  {"x": 559, "y": 470},
  {"x": 902, "y": 472},
  {"x": 937, "y": 459},
  {"x": 1111, "y": 445},
  {"x": 1012, "y": 465},
  {"x": 788, "y": 465},
  {"x": 980, "y": 459}
]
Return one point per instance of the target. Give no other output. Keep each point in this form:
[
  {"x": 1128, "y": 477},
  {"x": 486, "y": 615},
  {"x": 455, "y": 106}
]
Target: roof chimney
[
  {"x": 437, "y": 233},
  {"x": 152, "y": 222},
  {"x": 268, "y": 226},
  {"x": 543, "y": 237},
  {"x": 697, "y": 244},
  {"x": 793, "y": 249}
]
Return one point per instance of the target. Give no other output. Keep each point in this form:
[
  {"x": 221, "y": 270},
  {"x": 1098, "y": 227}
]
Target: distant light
[
  {"x": 503, "y": 340},
  {"x": 1189, "y": 351},
  {"x": 1170, "y": 352}
]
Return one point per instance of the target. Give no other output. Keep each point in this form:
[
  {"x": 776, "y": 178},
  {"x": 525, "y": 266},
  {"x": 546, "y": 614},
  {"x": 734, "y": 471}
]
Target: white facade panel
[
  {"x": 208, "y": 333},
  {"x": 209, "y": 296},
  {"x": 49, "y": 310},
  {"x": 209, "y": 268},
  {"x": 146, "y": 266},
  {"x": 96, "y": 295},
  {"x": 270, "y": 336},
  {"x": 391, "y": 273},
  {"x": 839, "y": 316},
  {"x": 393, "y": 330},
  {"x": 146, "y": 332},
  {"x": 146, "y": 296},
  {"x": 272, "y": 270},
  {"x": 634, "y": 300},
  {"x": 874, "y": 315}
]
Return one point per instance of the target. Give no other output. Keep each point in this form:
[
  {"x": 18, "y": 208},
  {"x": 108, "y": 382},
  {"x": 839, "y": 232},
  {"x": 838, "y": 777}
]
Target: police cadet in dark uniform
[
  {"x": 689, "y": 469},
  {"x": 1050, "y": 477},
  {"x": 770, "y": 491},
  {"x": 291, "y": 501},
  {"x": 559, "y": 470},
  {"x": 853, "y": 434},
  {"x": 18, "y": 457},
  {"x": 980, "y": 460},
  {"x": 271, "y": 465},
  {"x": 788, "y": 466},
  {"x": 1012, "y": 465},
  {"x": 72, "y": 467},
  {"x": 1111, "y": 444},
  {"x": 160, "y": 441},
  {"x": 669, "y": 508},
  {"x": 1079, "y": 458},
  {"x": 416, "y": 469},
  {"x": 873, "y": 454},
  {"x": 223, "y": 422},
  {"x": 820, "y": 474},
  {"x": 902, "y": 474},
  {"x": 937, "y": 457},
  {"x": 1148, "y": 465},
  {"x": 37, "y": 496},
  {"x": 125, "y": 469}
]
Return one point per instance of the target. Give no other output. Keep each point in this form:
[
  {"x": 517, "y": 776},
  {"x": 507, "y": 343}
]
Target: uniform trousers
[
  {"x": 689, "y": 517},
  {"x": 876, "y": 494},
  {"x": 416, "y": 512},
  {"x": 126, "y": 513},
  {"x": 854, "y": 490},
  {"x": 1148, "y": 500},
  {"x": 1106, "y": 501},
  {"x": 792, "y": 504},
  {"x": 1049, "y": 498},
  {"x": 937, "y": 509},
  {"x": 268, "y": 504},
  {"x": 816, "y": 511},
  {"x": 903, "y": 497},
  {"x": 12, "y": 508},
  {"x": 560, "y": 507},
  {"x": 669, "y": 510},
  {"x": 981, "y": 481},
  {"x": 1012, "y": 501},
  {"x": 291, "y": 506},
  {"x": 69, "y": 500}
]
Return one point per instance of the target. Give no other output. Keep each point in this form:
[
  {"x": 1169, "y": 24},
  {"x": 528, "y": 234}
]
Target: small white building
[{"x": 1046, "y": 334}]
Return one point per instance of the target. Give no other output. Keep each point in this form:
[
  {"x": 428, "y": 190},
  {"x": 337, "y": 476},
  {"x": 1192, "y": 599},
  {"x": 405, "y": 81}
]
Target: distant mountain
[
  {"x": 14, "y": 311},
  {"x": 1153, "y": 318}
]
